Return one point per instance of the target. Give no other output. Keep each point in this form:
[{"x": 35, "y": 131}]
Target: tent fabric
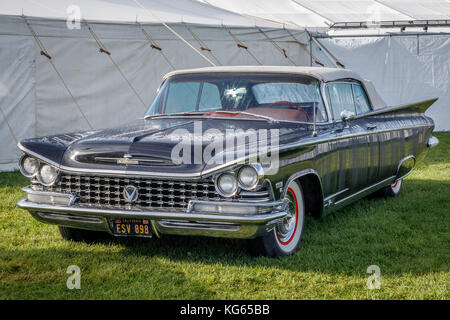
[
  {"x": 400, "y": 71},
  {"x": 187, "y": 11},
  {"x": 421, "y": 9},
  {"x": 36, "y": 103},
  {"x": 285, "y": 11}
]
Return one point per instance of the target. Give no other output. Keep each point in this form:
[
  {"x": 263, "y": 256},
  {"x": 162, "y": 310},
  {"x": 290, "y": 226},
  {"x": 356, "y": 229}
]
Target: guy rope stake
[{"x": 45, "y": 53}]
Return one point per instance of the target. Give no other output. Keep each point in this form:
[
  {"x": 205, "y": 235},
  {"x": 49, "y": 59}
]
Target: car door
[{"x": 358, "y": 147}]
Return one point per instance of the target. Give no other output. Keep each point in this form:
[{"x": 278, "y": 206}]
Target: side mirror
[{"x": 346, "y": 116}]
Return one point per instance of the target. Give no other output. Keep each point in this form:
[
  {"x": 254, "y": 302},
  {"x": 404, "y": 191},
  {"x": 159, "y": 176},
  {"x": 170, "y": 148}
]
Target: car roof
[{"x": 321, "y": 73}]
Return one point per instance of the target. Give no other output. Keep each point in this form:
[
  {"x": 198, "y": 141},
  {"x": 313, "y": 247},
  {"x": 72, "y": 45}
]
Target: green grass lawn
[{"x": 407, "y": 237}]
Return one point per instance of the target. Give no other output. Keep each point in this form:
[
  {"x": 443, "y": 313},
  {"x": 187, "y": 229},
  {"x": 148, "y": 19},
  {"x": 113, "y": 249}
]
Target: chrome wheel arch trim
[
  {"x": 302, "y": 174},
  {"x": 399, "y": 175}
]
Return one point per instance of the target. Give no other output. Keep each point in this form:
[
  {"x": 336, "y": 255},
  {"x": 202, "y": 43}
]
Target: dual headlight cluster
[
  {"x": 247, "y": 178},
  {"x": 44, "y": 173}
]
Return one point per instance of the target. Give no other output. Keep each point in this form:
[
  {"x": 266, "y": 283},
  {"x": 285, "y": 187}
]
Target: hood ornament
[
  {"x": 127, "y": 160},
  {"x": 130, "y": 193}
]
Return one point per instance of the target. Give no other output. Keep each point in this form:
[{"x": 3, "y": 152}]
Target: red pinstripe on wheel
[{"x": 296, "y": 220}]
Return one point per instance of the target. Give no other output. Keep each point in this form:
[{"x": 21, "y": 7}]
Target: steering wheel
[{"x": 296, "y": 107}]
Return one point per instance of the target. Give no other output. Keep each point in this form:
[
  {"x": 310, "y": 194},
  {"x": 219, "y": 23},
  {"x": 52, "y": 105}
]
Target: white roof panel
[
  {"x": 352, "y": 10},
  {"x": 421, "y": 9},
  {"x": 189, "y": 11},
  {"x": 283, "y": 11}
]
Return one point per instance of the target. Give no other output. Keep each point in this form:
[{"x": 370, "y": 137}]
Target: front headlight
[
  {"x": 226, "y": 184},
  {"x": 47, "y": 175},
  {"x": 248, "y": 177},
  {"x": 28, "y": 166}
]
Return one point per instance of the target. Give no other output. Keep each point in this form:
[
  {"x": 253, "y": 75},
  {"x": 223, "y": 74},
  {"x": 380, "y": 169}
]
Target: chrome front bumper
[{"x": 243, "y": 220}]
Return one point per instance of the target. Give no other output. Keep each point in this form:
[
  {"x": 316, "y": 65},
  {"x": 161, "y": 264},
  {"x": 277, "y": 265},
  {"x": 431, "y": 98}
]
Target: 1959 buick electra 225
[{"x": 232, "y": 152}]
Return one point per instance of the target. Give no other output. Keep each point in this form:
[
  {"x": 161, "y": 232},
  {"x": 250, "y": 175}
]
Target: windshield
[{"x": 280, "y": 97}]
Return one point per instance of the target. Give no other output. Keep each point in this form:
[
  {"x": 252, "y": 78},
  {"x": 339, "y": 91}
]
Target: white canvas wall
[
  {"x": 401, "y": 71},
  {"x": 36, "y": 103}
]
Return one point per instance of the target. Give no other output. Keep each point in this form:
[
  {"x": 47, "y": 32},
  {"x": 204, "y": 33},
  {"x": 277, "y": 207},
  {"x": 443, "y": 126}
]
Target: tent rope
[
  {"x": 242, "y": 46},
  {"x": 174, "y": 32},
  {"x": 45, "y": 53},
  {"x": 320, "y": 44},
  {"x": 282, "y": 50},
  {"x": 9, "y": 126},
  {"x": 203, "y": 45},
  {"x": 103, "y": 49},
  {"x": 155, "y": 46},
  {"x": 305, "y": 47}
]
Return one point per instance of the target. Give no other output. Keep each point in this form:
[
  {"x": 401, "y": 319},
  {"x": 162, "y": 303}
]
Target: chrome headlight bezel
[
  {"x": 259, "y": 172},
  {"x": 220, "y": 190},
  {"x": 39, "y": 175},
  {"x": 242, "y": 171},
  {"x": 22, "y": 167}
]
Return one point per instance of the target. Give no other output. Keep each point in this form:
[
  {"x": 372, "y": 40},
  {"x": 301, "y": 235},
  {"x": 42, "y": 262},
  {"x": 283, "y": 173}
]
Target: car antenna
[{"x": 314, "y": 133}]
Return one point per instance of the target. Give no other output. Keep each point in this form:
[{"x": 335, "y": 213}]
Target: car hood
[{"x": 147, "y": 145}]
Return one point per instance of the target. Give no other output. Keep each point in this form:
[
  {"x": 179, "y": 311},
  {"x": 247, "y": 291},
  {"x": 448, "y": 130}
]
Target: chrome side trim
[
  {"x": 306, "y": 142},
  {"x": 364, "y": 190},
  {"x": 403, "y": 169},
  {"x": 328, "y": 200}
]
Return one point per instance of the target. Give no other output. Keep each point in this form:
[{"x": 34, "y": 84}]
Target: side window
[
  {"x": 361, "y": 100},
  {"x": 210, "y": 99},
  {"x": 182, "y": 97},
  {"x": 340, "y": 98}
]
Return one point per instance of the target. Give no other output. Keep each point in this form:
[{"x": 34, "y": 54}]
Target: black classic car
[{"x": 233, "y": 152}]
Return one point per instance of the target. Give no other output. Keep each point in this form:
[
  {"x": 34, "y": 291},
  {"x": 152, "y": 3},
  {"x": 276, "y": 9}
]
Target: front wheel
[{"x": 285, "y": 237}]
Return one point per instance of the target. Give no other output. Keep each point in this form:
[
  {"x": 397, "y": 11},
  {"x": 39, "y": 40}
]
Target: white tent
[
  {"x": 404, "y": 66},
  {"x": 106, "y": 72},
  {"x": 81, "y": 88}
]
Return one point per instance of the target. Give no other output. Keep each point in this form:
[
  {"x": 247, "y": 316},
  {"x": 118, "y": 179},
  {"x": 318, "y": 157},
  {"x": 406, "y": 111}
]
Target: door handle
[{"x": 371, "y": 126}]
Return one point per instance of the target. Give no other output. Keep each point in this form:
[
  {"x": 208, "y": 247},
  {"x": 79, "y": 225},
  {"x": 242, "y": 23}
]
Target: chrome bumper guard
[{"x": 204, "y": 218}]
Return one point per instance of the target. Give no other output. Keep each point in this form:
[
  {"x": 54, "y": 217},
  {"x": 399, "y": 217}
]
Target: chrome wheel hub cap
[{"x": 286, "y": 227}]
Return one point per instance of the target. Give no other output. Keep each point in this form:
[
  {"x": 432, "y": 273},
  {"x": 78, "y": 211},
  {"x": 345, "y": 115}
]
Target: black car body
[{"x": 335, "y": 143}]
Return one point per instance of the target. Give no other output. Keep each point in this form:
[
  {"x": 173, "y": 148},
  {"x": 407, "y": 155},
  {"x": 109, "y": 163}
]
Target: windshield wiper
[
  {"x": 270, "y": 119},
  {"x": 199, "y": 113},
  {"x": 173, "y": 115}
]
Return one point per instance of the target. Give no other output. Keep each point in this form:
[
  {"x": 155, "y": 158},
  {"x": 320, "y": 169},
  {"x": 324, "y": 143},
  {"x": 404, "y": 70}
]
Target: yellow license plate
[{"x": 132, "y": 227}]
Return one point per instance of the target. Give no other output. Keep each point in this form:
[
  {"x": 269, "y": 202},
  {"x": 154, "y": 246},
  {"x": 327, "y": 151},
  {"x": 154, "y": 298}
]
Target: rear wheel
[
  {"x": 79, "y": 235},
  {"x": 285, "y": 237},
  {"x": 393, "y": 190}
]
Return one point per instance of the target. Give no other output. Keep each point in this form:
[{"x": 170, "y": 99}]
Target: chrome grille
[{"x": 153, "y": 193}]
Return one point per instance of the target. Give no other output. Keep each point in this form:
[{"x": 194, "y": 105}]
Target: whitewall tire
[{"x": 285, "y": 237}]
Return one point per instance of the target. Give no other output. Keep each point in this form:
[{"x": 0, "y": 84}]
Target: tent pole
[
  {"x": 305, "y": 47},
  {"x": 45, "y": 53}
]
